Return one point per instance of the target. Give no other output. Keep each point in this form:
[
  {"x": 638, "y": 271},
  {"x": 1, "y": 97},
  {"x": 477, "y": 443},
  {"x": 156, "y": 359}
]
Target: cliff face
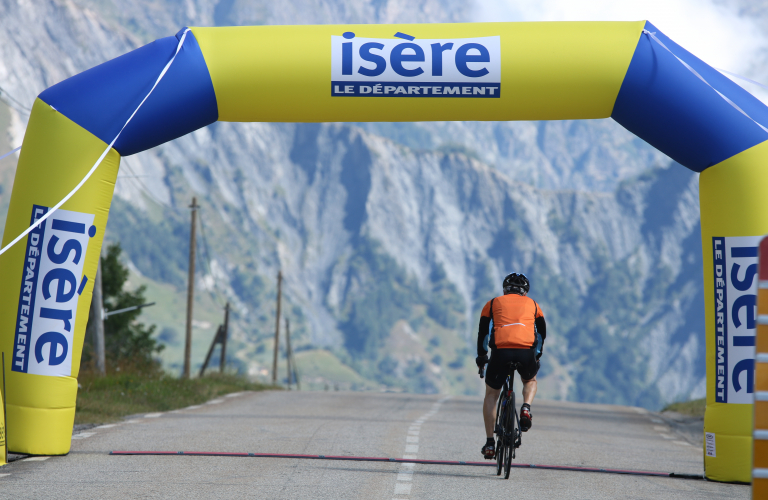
[{"x": 392, "y": 236}]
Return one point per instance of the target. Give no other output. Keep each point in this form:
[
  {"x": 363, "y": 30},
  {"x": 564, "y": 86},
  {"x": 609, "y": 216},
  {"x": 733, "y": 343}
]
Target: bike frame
[{"x": 509, "y": 437}]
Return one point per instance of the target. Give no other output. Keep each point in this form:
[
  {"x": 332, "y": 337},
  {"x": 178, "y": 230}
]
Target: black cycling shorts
[{"x": 494, "y": 375}]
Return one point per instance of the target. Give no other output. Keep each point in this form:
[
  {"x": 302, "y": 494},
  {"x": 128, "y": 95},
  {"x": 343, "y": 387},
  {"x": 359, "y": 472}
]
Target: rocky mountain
[{"x": 390, "y": 236}]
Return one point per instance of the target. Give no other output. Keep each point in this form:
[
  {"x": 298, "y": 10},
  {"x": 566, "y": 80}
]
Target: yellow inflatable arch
[{"x": 496, "y": 71}]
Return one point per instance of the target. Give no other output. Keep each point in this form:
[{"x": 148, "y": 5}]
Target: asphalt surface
[{"x": 365, "y": 424}]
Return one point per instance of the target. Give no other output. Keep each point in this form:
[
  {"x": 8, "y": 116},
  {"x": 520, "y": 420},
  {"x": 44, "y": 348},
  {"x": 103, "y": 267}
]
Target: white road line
[
  {"x": 214, "y": 401},
  {"x": 666, "y": 436},
  {"x": 83, "y": 435},
  {"x": 107, "y": 426},
  {"x": 402, "y": 489},
  {"x": 153, "y": 415},
  {"x": 3, "y": 475},
  {"x": 657, "y": 421},
  {"x": 683, "y": 443},
  {"x": 36, "y": 459},
  {"x": 131, "y": 422},
  {"x": 193, "y": 407},
  {"x": 405, "y": 474},
  {"x": 233, "y": 395}
]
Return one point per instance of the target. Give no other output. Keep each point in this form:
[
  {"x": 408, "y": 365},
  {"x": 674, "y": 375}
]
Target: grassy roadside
[
  {"x": 694, "y": 408},
  {"x": 106, "y": 399}
]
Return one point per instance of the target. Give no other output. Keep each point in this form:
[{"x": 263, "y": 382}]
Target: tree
[{"x": 126, "y": 341}]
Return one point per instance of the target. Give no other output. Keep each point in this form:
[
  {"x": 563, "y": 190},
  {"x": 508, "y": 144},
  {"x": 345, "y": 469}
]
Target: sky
[{"x": 714, "y": 33}]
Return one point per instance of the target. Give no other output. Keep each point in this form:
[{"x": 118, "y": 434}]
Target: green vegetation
[
  {"x": 604, "y": 340},
  {"x": 398, "y": 332},
  {"x": 125, "y": 339},
  {"x": 107, "y": 399},
  {"x": 158, "y": 248},
  {"x": 135, "y": 382},
  {"x": 383, "y": 295},
  {"x": 387, "y": 294},
  {"x": 445, "y": 304},
  {"x": 456, "y": 148},
  {"x": 325, "y": 366},
  {"x": 693, "y": 408},
  {"x": 411, "y": 135}
]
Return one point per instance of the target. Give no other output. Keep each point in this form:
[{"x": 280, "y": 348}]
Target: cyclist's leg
[
  {"x": 493, "y": 384},
  {"x": 529, "y": 390},
  {"x": 528, "y": 368},
  {"x": 489, "y": 409},
  {"x": 494, "y": 380}
]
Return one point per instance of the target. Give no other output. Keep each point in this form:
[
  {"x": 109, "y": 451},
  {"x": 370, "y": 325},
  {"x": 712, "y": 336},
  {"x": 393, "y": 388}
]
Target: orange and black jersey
[{"x": 514, "y": 317}]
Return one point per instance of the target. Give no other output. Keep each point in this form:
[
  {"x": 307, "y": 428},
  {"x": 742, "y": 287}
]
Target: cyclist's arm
[
  {"x": 482, "y": 332},
  {"x": 541, "y": 327}
]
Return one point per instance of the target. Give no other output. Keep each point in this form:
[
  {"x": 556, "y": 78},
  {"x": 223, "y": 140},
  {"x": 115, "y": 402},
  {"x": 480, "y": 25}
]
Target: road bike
[{"x": 507, "y": 428}]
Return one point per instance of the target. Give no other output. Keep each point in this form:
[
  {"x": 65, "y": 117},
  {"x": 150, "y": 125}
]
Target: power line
[
  {"x": 208, "y": 260},
  {"x": 217, "y": 298},
  {"x": 137, "y": 178},
  {"x": 15, "y": 101}
]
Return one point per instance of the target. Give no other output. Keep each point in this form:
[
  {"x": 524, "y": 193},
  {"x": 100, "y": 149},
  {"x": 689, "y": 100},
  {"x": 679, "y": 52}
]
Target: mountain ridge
[{"x": 390, "y": 236}]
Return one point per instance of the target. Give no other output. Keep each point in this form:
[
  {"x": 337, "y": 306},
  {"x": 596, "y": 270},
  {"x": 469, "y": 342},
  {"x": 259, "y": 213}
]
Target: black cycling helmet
[{"x": 516, "y": 283}]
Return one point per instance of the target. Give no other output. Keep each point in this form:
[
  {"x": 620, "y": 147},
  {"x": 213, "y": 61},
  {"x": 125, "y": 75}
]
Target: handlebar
[{"x": 481, "y": 371}]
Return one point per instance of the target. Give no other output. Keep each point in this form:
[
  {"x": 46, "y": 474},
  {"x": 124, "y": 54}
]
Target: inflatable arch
[{"x": 628, "y": 71}]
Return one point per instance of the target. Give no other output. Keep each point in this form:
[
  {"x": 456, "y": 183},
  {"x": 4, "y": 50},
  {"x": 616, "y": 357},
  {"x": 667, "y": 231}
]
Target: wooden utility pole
[
  {"x": 220, "y": 337},
  {"x": 215, "y": 341},
  {"x": 277, "y": 328},
  {"x": 98, "y": 323},
  {"x": 288, "y": 355},
  {"x": 224, "y": 334},
  {"x": 190, "y": 289}
]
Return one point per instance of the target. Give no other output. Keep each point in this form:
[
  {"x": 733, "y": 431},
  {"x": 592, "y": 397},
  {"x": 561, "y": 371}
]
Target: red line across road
[{"x": 407, "y": 460}]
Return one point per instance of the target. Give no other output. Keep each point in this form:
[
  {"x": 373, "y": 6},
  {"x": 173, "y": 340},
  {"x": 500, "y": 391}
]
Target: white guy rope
[
  {"x": 10, "y": 153},
  {"x": 653, "y": 35},
  {"x": 103, "y": 155}
]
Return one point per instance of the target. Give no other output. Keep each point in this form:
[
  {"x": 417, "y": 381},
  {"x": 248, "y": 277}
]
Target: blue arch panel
[
  {"x": 101, "y": 99},
  {"x": 665, "y": 104}
]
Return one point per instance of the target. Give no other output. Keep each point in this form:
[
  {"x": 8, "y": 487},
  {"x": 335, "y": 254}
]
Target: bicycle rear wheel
[
  {"x": 509, "y": 436},
  {"x": 499, "y": 430},
  {"x": 499, "y": 455}
]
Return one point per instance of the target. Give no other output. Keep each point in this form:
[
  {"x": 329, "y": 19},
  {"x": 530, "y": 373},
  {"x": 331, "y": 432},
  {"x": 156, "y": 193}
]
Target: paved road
[{"x": 366, "y": 424}]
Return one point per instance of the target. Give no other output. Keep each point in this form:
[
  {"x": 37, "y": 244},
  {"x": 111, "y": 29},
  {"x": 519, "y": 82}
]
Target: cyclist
[{"x": 517, "y": 332}]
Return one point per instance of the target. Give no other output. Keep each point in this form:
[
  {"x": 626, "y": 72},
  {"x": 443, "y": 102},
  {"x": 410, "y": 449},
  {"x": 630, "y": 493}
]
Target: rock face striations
[{"x": 392, "y": 236}]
